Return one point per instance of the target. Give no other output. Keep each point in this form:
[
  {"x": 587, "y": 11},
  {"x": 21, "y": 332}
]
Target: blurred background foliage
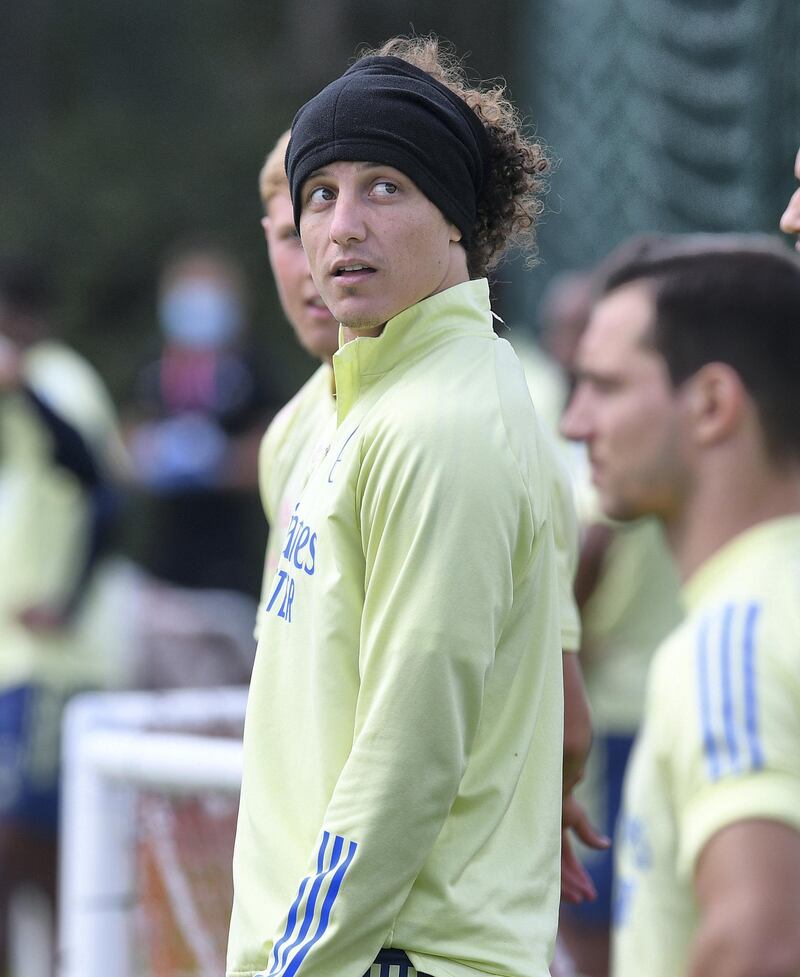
[{"x": 127, "y": 128}]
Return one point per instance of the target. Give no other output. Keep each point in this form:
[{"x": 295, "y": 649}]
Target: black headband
[{"x": 385, "y": 110}]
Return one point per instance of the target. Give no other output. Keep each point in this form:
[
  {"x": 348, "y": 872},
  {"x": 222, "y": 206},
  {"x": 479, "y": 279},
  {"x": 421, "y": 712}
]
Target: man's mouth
[{"x": 354, "y": 271}]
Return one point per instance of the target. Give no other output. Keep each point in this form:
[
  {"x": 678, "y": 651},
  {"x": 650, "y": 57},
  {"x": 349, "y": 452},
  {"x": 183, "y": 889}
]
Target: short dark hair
[{"x": 733, "y": 300}]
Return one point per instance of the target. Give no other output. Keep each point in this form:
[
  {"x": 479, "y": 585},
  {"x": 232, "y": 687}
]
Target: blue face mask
[{"x": 200, "y": 313}]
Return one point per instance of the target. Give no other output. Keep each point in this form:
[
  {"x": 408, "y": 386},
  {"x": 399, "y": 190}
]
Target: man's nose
[
  {"x": 347, "y": 223},
  {"x": 790, "y": 222},
  {"x": 575, "y": 421}
]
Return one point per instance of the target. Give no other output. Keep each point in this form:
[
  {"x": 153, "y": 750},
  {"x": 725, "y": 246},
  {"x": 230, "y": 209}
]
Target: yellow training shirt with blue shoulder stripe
[
  {"x": 402, "y": 774},
  {"x": 720, "y": 741}
]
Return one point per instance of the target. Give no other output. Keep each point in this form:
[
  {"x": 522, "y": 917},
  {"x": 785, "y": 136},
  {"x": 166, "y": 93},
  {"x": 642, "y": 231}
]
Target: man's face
[
  {"x": 375, "y": 243},
  {"x": 625, "y": 408},
  {"x": 317, "y": 330},
  {"x": 790, "y": 222}
]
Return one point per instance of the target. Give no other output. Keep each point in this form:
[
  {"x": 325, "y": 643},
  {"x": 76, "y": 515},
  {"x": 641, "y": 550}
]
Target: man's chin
[{"x": 620, "y": 510}]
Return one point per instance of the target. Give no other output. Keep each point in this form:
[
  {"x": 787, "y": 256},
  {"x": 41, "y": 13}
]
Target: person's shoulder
[
  {"x": 68, "y": 383},
  {"x": 723, "y": 687},
  {"x": 52, "y": 364},
  {"x": 455, "y": 424},
  {"x": 312, "y": 402},
  {"x": 315, "y": 393},
  {"x": 756, "y": 599},
  {"x": 447, "y": 402}
]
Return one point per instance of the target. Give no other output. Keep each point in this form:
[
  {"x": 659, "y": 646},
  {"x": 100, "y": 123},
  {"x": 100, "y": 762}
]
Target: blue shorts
[
  {"x": 609, "y": 759},
  {"x": 30, "y": 743}
]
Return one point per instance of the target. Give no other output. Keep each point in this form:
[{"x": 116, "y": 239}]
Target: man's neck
[
  {"x": 349, "y": 333},
  {"x": 722, "y": 509}
]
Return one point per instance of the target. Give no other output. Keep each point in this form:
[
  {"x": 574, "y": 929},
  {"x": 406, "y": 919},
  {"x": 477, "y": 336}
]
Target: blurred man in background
[
  {"x": 687, "y": 399},
  {"x": 59, "y": 448},
  {"x": 626, "y": 590},
  {"x": 295, "y": 433}
]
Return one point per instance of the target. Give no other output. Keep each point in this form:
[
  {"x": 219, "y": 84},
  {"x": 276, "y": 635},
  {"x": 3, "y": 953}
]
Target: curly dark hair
[{"x": 511, "y": 201}]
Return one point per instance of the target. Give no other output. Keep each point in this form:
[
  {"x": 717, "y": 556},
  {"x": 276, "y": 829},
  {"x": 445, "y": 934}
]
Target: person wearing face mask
[{"x": 200, "y": 410}]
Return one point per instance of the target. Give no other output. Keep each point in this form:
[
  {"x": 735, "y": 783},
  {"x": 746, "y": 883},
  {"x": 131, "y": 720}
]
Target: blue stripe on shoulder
[
  {"x": 728, "y": 717},
  {"x": 750, "y": 698},
  {"x": 704, "y": 689},
  {"x": 727, "y": 697}
]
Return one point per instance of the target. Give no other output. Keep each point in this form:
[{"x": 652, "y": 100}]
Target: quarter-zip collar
[{"x": 461, "y": 310}]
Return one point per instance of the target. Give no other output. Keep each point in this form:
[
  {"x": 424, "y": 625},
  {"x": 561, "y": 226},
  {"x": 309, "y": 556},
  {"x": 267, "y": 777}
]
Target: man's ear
[
  {"x": 717, "y": 401},
  {"x": 455, "y": 235},
  {"x": 265, "y": 225}
]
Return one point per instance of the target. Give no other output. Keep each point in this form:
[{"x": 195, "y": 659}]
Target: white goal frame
[{"x": 110, "y": 751}]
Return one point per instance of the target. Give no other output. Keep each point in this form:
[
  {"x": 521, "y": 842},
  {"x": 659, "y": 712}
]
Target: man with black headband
[{"x": 400, "y": 807}]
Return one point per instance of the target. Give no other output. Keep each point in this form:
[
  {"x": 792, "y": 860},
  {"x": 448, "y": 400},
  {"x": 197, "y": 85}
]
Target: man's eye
[
  {"x": 385, "y": 188},
  {"x": 602, "y": 385},
  {"x": 320, "y": 195}
]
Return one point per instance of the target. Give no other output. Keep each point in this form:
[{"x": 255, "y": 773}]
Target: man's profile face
[
  {"x": 376, "y": 245},
  {"x": 790, "y": 222},
  {"x": 317, "y": 330},
  {"x": 625, "y": 408}
]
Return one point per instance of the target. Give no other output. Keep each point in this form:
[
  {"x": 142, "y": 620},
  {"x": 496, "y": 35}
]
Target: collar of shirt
[
  {"x": 461, "y": 310},
  {"x": 781, "y": 533}
]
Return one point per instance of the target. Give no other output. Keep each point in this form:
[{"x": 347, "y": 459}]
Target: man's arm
[
  {"x": 577, "y": 722},
  {"x": 747, "y": 884},
  {"x": 576, "y": 886}
]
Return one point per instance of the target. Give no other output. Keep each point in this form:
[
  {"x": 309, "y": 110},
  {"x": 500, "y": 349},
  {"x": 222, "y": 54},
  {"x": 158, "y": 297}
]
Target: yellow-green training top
[{"x": 402, "y": 778}]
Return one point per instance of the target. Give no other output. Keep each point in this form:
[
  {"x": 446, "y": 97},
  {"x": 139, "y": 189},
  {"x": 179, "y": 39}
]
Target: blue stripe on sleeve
[
  {"x": 728, "y": 717},
  {"x": 750, "y": 698},
  {"x": 311, "y": 905},
  {"x": 273, "y": 963},
  {"x": 323, "y": 845},
  {"x": 709, "y": 745},
  {"x": 292, "y": 919},
  {"x": 327, "y": 907}
]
